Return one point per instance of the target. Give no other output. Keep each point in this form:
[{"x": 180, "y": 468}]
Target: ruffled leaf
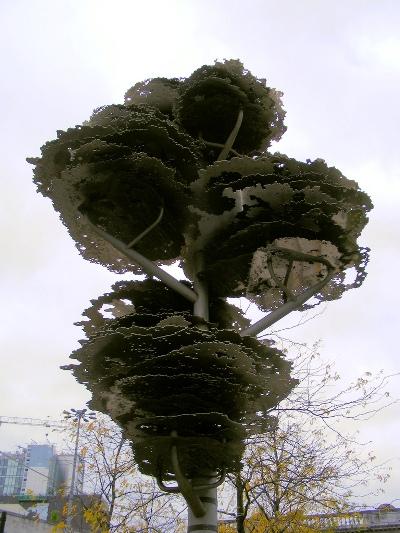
[
  {"x": 154, "y": 371},
  {"x": 252, "y": 204},
  {"x": 212, "y": 97},
  {"x": 120, "y": 169}
]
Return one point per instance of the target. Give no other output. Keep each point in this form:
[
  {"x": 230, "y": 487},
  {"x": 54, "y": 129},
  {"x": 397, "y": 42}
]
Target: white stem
[
  {"x": 208, "y": 523},
  {"x": 200, "y": 308},
  {"x": 286, "y": 308},
  {"x": 232, "y": 137},
  {"x": 148, "y": 266}
]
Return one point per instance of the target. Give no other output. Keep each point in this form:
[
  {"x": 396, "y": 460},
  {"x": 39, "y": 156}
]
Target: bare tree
[
  {"x": 129, "y": 500},
  {"x": 310, "y": 461}
]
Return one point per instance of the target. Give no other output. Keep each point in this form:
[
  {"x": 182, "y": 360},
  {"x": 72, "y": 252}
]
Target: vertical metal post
[
  {"x": 200, "y": 307},
  {"x": 208, "y": 522},
  {"x": 72, "y": 487},
  {"x": 3, "y": 518},
  {"x": 78, "y": 414}
]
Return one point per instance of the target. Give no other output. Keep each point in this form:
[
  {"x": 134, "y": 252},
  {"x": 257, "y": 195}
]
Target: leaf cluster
[
  {"x": 212, "y": 96},
  {"x": 156, "y": 372},
  {"x": 268, "y": 215},
  {"x": 262, "y": 222},
  {"x": 148, "y": 174},
  {"x": 118, "y": 171},
  {"x": 206, "y": 105},
  {"x": 161, "y": 93}
]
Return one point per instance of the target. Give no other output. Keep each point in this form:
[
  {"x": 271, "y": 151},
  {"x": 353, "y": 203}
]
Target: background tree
[
  {"x": 309, "y": 462},
  {"x": 133, "y": 501},
  {"x": 301, "y": 466},
  {"x": 181, "y": 171}
]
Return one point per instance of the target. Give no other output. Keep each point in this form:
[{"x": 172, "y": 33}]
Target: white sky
[{"x": 338, "y": 64}]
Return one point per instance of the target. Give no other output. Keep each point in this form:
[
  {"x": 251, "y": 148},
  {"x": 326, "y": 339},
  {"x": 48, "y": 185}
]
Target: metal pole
[
  {"x": 208, "y": 523},
  {"x": 208, "y": 496},
  {"x": 79, "y": 415},
  {"x": 3, "y": 519},
  {"x": 286, "y": 308},
  {"x": 148, "y": 266}
]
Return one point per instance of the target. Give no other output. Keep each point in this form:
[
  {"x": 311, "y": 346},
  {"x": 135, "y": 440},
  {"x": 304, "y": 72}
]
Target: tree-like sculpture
[{"x": 181, "y": 171}]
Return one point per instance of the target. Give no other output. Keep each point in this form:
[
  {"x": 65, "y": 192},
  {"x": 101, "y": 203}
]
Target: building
[
  {"x": 12, "y": 467},
  {"x": 34, "y": 488},
  {"x": 43, "y": 515},
  {"x": 38, "y": 471},
  {"x": 63, "y": 472},
  {"x": 384, "y": 519}
]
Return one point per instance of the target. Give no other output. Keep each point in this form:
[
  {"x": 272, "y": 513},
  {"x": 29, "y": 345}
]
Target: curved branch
[
  {"x": 286, "y": 308},
  {"x": 165, "y": 488},
  {"x": 288, "y": 271},
  {"x": 213, "y": 485},
  {"x": 147, "y": 230},
  {"x": 295, "y": 255},
  {"x": 288, "y": 294},
  {"x": 220, "y": 145},
  {"x": 192, "y": 499},
  {"x": 232, "y": 137},
  {"x": 148, "y": 266}
]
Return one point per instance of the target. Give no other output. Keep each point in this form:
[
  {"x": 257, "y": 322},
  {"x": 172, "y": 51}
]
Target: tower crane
[{"x": 32, "y": 422}]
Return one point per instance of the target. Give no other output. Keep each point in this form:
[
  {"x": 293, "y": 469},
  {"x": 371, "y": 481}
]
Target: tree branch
[
  {"x": 187, "y": 491},
  {"x": 220, "y": 145},
  {"x": 286, "y": 292},
  {"x": 286, "y": 308},
  {"x": 232, "y": 137},
  {"x": 148, "y": 266},
  {"x": 147, "y": 230}
]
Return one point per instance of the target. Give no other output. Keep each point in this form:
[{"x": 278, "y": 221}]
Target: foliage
[
  {"x": 212, "y": 97},
  {"x": 125, "y": 499},
  {"x": 97, "y": 518},
  {"x": 260, "y": 220},
  {"x": 293, "y": 522},
  {"x": 161, "y": 93},
  {"x": 96, "y": 170},
  {"x": 303, "y": 465},
  {"x": 217, "y": 396},
  {"x": 226, "y": 528},
  {"x": 280, "y": 214}
]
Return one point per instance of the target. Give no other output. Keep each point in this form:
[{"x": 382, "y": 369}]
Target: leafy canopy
[{"x": 181, "y": 170}]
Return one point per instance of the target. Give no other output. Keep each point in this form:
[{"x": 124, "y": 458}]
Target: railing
[
  {"x": 337, "y": 521},
  {"x": 355, "y": 520}
]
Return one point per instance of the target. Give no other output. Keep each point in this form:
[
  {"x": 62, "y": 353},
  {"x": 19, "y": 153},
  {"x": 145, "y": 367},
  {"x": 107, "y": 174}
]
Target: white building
[{"x": 64, "y": 467}]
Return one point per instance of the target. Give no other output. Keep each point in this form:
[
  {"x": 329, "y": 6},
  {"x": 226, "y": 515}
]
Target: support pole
[
  {"x": 72, "y": 487},
  {"x": 200, "y": 307},
  {"x": 232, "y": 137},
  {"x": 286, "y": 308},
  {"x": 148, "y": 266},
  {"x": 3, "y": 518},
  {"x": 208, "y": 523}
]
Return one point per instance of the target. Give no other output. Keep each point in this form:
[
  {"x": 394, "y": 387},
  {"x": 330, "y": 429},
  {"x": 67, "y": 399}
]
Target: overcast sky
[{"x": 338, "y": 64}]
